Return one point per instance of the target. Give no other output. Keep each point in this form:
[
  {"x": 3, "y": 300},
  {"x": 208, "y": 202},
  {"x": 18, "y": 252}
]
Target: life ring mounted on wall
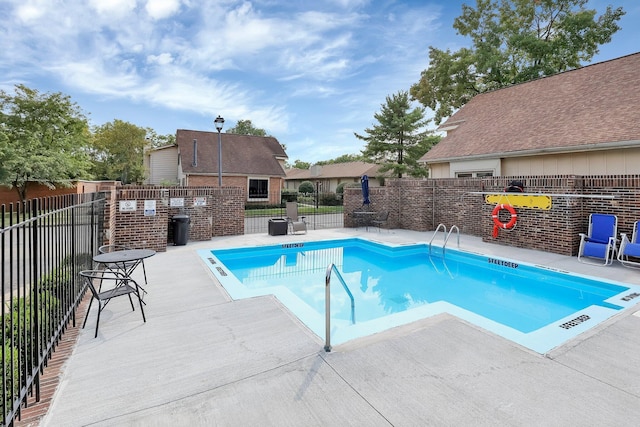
[{"x": 497, "y": 224}]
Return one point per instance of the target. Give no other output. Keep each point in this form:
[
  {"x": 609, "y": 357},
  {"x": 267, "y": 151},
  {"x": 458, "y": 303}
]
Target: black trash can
[{"x": 180, "y": 229}]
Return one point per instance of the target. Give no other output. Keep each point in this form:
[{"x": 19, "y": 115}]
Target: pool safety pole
[
  {"x": 327, "y": 303},
  {"x": 327, "y": 309}
]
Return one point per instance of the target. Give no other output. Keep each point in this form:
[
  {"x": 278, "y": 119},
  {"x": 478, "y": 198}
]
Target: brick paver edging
[{"x": 32, "y": 415}]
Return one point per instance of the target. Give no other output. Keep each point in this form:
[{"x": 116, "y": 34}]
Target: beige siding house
[
  {"x": 161, "y": 165},
  {"x": 328, "y": 177},
  {"x": 580, "y": 122}
]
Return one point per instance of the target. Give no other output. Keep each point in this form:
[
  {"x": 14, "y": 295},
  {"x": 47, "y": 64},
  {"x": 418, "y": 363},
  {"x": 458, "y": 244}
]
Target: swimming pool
[{"x": 536, "y": 307}]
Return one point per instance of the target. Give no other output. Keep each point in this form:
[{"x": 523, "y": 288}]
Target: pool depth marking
[
  {"x": 509, "y": 264},
  {"x": 292, "y": 245}
]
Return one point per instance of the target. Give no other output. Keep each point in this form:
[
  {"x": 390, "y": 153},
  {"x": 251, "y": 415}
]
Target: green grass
[{"x": 302, "y": 210}]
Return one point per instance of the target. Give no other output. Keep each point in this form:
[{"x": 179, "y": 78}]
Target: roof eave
[{"x": 538, "y": 151}]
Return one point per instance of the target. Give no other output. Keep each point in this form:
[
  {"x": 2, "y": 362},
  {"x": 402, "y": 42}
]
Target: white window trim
[
  {"x": 474, "y": 167},
  {"x": 258, "y": 178}
]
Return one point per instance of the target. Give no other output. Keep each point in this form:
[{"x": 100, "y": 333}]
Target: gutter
[{"x": 556, "y": 150}]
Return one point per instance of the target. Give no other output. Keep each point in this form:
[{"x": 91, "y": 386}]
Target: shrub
[
  {"x": 19, "y": 335},
  {"x": 306, "y": 187},
  {"x": 329, "y": 199},
  {"x": 11, "y": 359},
  {"x": 289, "y": 196}
]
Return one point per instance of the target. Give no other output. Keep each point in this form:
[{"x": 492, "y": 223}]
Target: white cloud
[
  {"x": 350, "y": 4},
  {"x": 91, "y": 77},
  {"x": 113, "y": 7},
  {"x": 29, "y": 12},
  {"x": 162, "y": 59},
  {"x": 161, "y": 9}
]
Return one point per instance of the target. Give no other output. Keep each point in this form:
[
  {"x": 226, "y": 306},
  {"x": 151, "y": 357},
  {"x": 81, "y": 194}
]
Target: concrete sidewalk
[{"x": 203, "y": 359}]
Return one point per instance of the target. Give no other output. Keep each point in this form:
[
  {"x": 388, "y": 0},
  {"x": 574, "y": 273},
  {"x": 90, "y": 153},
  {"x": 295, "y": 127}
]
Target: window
[
  {"x": 474, "y": 168},
  {"x": 258, "y": 189},
  {"x": 473, "y": 174}
]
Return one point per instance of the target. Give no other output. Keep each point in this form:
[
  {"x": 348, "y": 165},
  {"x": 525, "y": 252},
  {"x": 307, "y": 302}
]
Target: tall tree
[
  {"x": 5, "y": 156},
  {"x": 299, "y": 164},
  {"x": 397, "y": 142},
  {"x": 513, "y": 41},
  {"x": 43, "y": 139},
  {"x": 157, "y": 141},
  {"x": 345, "y": 158},
  {"x": 245, "y": 127},
  {"x": 118, "y": 151}
]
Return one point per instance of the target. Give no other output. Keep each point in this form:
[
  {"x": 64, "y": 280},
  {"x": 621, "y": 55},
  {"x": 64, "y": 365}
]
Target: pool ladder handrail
[
  {"x": 327, "y": 303},
  {"x": 453, "y": 227},
  {"x": 447, "y": 235},
  {"x": 444, "y": 230}
]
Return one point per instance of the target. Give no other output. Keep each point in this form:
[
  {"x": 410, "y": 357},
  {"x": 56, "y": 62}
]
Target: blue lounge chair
[
  {"x": 600, "y": 241},
  {"x": 629, "y": 253}
]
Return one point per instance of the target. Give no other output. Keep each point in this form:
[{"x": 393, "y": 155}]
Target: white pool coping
[{"x": 541, "y": 340}]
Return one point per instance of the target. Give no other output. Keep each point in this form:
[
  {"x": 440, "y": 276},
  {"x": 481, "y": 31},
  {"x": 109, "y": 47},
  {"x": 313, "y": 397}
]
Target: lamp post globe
[{"x": 219, "y": 122}]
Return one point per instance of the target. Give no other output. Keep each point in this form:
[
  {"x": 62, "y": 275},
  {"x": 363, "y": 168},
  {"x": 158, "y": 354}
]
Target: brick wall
[
  {"x": 228, "y": 211},
  {"x": 34, "y": 191},
  {"x": 212, "y": 212},
  {"x": 423, "y": 204}
]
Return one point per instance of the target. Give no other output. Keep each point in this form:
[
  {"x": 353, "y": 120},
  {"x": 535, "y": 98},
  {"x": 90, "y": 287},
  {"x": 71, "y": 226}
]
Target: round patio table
[{"x": 126, "y": 260}]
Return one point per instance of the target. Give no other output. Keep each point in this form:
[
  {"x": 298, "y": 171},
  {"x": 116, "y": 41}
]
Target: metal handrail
[
  {"x": 444, "y": 229},
  {"x": 449, "y": 235},
  {"x": 327, "y": 303}
]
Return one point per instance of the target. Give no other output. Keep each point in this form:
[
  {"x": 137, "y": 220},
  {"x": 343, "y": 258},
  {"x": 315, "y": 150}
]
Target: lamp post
[{"x": 219, "y": 122}]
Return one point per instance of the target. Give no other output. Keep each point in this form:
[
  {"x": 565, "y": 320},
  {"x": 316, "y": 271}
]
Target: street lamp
[{"x": 219, "y": 122}]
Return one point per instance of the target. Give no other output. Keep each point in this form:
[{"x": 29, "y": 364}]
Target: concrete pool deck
[{"x": 203, "y": 359}]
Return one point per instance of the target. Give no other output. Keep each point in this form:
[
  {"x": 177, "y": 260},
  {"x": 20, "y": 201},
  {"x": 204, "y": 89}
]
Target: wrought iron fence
[
  {"x": 321, "y": 210},
  {"x": 45, "y": 243}
]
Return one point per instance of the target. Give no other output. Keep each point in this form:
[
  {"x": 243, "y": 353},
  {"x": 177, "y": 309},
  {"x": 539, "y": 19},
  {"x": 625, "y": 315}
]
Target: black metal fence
[
  {"x": 45, "y": 243},
  {"x": 321, "y": 210}
]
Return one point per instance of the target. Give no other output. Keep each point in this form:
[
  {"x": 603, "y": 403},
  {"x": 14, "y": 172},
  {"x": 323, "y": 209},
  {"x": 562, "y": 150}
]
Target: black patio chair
[
  {"x": 119, "y": 285},
  {"x": 380, "y": 219}
]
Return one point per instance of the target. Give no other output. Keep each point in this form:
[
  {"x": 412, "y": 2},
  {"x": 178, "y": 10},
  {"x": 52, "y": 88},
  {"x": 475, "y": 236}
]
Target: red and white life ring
[{"x": 499, "y": 224}]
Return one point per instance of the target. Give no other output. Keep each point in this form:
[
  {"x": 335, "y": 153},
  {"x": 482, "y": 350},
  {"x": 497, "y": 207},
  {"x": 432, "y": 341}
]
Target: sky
[{"x": 311, "y": 73}]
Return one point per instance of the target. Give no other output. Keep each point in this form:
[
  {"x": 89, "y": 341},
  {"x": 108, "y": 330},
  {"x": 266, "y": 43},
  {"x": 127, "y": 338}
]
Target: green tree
[
  {"x": 156, "y": 141},
  {"x": 43, "y": 139},
  {"x": 397, "y": 142},
  {"x": 299, "y": 164},
  {"x": 245, "y": 127},
  {"x": 5, "y": 156},
  {"x": 513, "y": 41},
  {"x": 345, "y": 158},
  {"x": 118, "y": 150}
]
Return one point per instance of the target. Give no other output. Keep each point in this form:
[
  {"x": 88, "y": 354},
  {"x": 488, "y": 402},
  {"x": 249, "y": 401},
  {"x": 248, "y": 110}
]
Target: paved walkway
[{"x": 203, "y": 359}]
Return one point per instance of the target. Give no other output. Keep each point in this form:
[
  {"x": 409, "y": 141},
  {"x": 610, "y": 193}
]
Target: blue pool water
[{"x": 393, "y": 285}]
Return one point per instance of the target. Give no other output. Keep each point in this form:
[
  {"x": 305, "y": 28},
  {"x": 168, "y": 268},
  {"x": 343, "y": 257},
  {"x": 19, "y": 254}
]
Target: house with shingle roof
[
  {"x": 255, "y": 163},
  {"x": 328, "y": 177},
  {"x": 580, "y": 122}
]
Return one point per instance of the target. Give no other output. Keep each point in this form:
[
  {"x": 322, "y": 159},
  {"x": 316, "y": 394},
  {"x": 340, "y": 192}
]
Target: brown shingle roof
[
  {"x": 335, "y": 170},
  {"x": 577, "y": 110},
  {"x": 241, "y": 154}
]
